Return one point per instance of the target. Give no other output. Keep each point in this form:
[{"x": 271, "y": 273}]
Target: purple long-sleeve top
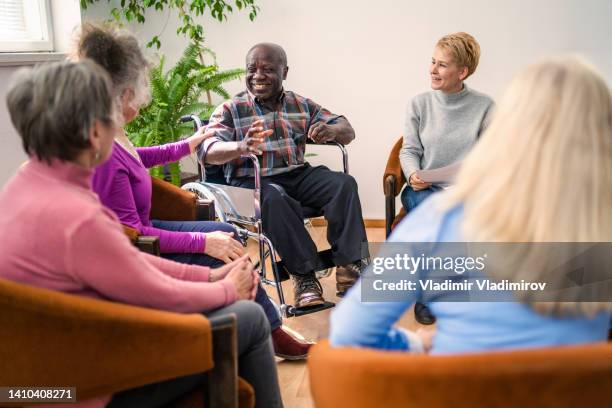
[{"x": 124, "y": 185}]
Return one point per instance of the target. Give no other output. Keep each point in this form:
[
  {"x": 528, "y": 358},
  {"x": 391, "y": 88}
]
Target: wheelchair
[{"x": 241, "y": 207}]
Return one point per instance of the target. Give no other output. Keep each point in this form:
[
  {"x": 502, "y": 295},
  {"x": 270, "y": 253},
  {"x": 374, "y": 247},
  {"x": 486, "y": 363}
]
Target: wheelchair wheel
[{"x": 202, "y": 192}]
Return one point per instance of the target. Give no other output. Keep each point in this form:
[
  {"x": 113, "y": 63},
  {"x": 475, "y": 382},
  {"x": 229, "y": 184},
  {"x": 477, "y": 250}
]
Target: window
[{"x": 25, "y": 26}]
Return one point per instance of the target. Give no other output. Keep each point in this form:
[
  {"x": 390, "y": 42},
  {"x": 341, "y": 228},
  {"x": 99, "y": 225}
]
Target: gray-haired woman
[{"x": 65, "y": 115}]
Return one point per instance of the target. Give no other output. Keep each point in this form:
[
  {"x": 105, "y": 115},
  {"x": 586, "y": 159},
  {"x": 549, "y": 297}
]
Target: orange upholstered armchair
[
  {"x": 393, "y": 182},
  {"x": 550, "y": 377},
  {"x": 48, "y": 338},
  {"x": 171, "y": 203}
]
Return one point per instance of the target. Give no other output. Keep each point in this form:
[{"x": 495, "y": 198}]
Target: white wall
[
  {"x": 65, "y": 16},
  {"x": 366, "y": 59},
  {"x": 11, "y": 153}
]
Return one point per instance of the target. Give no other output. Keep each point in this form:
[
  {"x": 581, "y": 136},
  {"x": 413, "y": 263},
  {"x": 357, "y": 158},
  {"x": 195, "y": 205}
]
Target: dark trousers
[
  {"x": 334, "y": 193},
  {"x": 204, "y": 260},
  {"x": 255, "y": 364}
]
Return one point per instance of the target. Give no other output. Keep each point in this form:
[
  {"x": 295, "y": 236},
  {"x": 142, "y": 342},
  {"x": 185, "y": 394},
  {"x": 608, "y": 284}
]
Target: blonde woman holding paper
[
  {"x": 443, "y": 124},
  {"x": 556, "y": 118}
]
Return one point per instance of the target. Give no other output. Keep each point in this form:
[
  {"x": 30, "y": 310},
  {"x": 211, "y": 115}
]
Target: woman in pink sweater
[{"x": 62, "y": 237}]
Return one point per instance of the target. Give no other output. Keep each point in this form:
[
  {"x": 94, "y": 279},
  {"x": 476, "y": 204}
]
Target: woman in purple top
[{"x": 124, "y": 185}]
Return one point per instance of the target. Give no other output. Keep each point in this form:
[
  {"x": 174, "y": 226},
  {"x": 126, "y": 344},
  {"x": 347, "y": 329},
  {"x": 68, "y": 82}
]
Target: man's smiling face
[{"x": 266, "y": 71}]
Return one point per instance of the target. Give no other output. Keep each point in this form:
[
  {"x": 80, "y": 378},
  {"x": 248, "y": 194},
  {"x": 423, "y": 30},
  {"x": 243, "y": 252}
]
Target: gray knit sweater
[{"x": 441, "y": 128}]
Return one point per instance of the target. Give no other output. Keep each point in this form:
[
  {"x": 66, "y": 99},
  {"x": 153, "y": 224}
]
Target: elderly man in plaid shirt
[{"x": 274, "y": 123}]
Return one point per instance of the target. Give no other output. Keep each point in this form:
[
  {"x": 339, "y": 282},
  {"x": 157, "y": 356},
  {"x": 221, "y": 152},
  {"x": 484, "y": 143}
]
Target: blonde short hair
[
  {"x": 464, "y": 48},
  {"x": 542, "y": 171}
]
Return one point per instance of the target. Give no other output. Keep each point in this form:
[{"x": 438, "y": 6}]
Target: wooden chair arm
[
  {"x": 145, "y": 243},
  {"x": 222, "y": 381},
  {"x": 56, "y": 339},
  {"x": 393, "y": 171}
]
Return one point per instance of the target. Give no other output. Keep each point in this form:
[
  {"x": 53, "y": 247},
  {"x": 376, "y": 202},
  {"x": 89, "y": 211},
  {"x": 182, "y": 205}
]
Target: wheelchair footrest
[{"x": 294, "y": 311}]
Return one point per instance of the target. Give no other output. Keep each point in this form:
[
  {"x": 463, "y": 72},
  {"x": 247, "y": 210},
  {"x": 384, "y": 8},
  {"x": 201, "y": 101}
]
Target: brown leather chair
[
  {"x": 171, "y": 203},
  {"x": 49, "y": 338},
  {"x": 393, "y": 182},
  {"x": 549, "y": 377}
]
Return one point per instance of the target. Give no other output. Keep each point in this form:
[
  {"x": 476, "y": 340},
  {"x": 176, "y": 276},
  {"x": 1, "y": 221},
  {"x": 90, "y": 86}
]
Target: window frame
[{"x": 29, "y": 46}]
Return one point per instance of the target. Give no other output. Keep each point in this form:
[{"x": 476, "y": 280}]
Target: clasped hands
[{"x": 241, "y": 274}]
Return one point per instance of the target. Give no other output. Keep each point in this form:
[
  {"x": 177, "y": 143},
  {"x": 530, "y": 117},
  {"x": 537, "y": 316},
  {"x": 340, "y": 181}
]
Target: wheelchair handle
[
  {"x": 197, "y": 122},
  {"x": 197, "y": 125},
  {"x": 257, "y": 181}
]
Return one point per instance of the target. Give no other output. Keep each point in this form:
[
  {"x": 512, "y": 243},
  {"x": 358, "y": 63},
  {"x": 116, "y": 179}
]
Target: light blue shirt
[{"x": 461, "y": 326}]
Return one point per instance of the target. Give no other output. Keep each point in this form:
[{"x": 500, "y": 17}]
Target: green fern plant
[{"x": 176, "y": 93}]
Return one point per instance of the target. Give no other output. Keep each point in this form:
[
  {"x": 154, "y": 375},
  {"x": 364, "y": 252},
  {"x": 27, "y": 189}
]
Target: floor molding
[{"x": 369, "y": 223}]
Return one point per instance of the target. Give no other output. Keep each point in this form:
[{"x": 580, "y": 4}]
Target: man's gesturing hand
[
  {"x": 321, "y": 132},
  {"x": 254, "y": 137}
]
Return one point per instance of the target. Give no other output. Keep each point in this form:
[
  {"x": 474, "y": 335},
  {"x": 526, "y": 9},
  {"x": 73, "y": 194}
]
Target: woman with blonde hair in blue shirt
[{"x": 552, "y": 133}]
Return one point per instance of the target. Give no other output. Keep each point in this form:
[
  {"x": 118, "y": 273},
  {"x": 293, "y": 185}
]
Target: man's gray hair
[
  {"x": 54, "y": 106},
  {"x": 277, "y": 49}
]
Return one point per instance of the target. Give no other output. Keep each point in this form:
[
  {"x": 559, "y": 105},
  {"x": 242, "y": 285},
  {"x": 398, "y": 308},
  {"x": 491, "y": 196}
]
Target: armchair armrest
[
  {"x": 565, "y": 376},
  {"x": 393, "y": 181},
  {"x": 171, "y": 203},
  {"x": 145, "y": 243},
  {"x": 393, "y": 178},
  {"x": 56, "y": 339}
]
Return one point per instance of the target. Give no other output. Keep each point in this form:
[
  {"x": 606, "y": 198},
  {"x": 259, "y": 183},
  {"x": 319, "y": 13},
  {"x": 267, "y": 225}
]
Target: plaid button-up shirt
[{"x": 284, "y": 149}]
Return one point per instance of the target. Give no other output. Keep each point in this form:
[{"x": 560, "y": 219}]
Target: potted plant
[{"x": 176, "y": 93}]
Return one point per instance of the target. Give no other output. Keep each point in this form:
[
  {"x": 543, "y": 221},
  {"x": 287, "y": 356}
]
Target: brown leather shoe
[
  {"x": 346, "y": 276},
  {"x": 289, "y": 344},
  {"x": 308, "y": 290}
]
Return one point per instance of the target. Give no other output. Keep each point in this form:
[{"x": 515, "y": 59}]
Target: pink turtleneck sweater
[{"x": 57, "y": 235}]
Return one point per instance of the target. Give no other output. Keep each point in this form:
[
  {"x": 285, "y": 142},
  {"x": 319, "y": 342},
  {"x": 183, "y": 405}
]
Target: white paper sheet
[{"x": 444, "y": 174}]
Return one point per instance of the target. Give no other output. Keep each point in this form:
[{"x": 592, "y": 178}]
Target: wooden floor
[{"x": 293, "y": 376}]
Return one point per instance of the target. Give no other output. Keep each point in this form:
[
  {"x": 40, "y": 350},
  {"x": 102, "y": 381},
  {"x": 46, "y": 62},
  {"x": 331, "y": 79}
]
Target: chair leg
[
  {"x": 221, "y": 385},
  {"x": 389, "y": 204}
]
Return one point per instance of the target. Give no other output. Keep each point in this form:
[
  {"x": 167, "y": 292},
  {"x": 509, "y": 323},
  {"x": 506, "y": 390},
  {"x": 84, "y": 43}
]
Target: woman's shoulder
[
  {"x": 119, "y": 160},
  {"x": 419, "y": 102},
  {"x": 421, "y": 98},
  {"x": 480, "y": 96}
]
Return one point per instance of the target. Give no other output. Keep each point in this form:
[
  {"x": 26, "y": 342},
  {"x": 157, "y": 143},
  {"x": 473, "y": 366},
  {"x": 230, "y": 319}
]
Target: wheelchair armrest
[{"x": 345, "y": 164}]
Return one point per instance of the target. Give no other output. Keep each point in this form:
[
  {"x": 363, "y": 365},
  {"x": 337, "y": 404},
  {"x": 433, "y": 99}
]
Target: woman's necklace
[{"x": 123, "y": 140}]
